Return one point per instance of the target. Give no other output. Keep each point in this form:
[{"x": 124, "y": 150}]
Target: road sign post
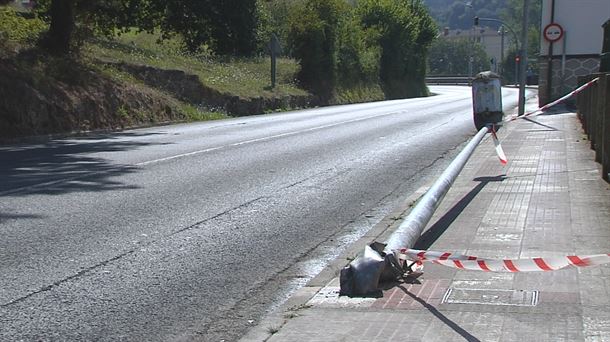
[{"x": 275, "y": 50}]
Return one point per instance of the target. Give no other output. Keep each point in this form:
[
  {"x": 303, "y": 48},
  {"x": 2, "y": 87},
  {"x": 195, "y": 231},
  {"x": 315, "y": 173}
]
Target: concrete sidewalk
[{"x": 548, "y": 201}]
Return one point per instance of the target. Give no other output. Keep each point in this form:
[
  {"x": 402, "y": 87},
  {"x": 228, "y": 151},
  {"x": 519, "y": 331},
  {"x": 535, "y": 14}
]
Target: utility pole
[
  {"x": 523, "y": 57},
  {"x": 500, "y": 66}
]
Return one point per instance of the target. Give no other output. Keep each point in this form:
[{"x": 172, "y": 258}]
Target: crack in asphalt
[
  {"x": 66, "y": 279},
  {"x": 124, "y": 254},
  {"x": 149, "y": 243}
]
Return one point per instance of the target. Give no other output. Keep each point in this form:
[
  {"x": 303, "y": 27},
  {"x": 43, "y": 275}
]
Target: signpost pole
[
  {"x": 552, "y": 33},
  {"x": 523, "y": 58},
  {"x": 275, "y": 49}
]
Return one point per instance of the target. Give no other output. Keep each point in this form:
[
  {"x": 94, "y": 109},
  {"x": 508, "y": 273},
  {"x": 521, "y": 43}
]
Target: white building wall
[{"x": 582, "y": 22}]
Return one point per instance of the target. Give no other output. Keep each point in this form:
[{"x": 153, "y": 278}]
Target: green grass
[
  {"x": 195, "y": 114},
  {"x": 190, "y": 112},
  {"x": 245, "y": 77},
  {"x": 359, "y": 94}
]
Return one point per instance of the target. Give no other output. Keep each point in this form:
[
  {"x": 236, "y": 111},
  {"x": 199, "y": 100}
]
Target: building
[
  {"x": 577, "y": 51},
  {"x": 495, "y": 42}
]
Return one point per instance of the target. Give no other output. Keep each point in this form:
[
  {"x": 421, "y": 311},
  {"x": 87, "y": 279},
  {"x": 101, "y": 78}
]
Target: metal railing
[
  {"x": 594, "y": 112},
  {"x": 457, "y": 80}
]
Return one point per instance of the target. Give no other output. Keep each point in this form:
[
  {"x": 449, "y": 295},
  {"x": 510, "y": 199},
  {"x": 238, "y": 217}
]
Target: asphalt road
[{"x": 194, "y": 231}]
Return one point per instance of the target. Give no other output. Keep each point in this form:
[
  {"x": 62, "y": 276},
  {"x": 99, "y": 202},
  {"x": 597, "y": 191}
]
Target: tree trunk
[{"x": 62, "y": 26}]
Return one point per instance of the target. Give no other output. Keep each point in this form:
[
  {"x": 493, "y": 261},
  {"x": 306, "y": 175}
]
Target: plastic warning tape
[
  {"x": 549, "y": 105},
  {"x": 499, "y": 150},
  {"x": 472, "y": 263}
]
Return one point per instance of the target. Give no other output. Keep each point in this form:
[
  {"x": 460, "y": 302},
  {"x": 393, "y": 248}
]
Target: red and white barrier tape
[
  {"x": 472, "y": 263},
  {"x": 499, "y": 150},
  {"x": 549, "y": 105}
]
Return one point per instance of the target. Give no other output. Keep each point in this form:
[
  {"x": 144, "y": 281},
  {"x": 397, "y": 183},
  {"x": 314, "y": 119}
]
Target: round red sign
[{"x": 553, "y": 32}]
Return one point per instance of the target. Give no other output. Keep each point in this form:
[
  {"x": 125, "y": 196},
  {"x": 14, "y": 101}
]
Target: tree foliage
[
  {"x": 357, "y": 53},
  {"x": 73, "y": 21},
  {"x": 312, "y": 39},
  {"x": 452, "y": 57},
  {"x": 458, "y": 14},
  {"x": 339, "y": 43},
  {"x": 404, "y": 31},
  {"x": 227, "y": 27},
  {"x": 512, "y": 15}
]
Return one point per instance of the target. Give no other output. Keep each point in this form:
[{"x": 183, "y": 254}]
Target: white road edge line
[{"x": 207, "y": 150}]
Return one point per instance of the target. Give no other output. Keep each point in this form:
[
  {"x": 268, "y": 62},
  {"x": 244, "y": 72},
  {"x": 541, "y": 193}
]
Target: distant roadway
[{"x": 194, "y": 231}]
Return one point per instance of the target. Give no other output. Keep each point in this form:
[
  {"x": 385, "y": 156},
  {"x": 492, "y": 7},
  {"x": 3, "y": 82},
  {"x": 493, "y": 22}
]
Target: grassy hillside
[
  {"x": 47, "y": 95},
  {"x": 135, "y": 79},
  {"x": 242, "y": 77}
]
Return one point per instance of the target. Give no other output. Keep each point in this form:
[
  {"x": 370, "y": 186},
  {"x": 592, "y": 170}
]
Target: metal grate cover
[{"x": 490, "y": 297}]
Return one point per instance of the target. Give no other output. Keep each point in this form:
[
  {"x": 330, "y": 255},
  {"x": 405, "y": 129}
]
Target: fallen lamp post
[{"x": 380, "y": 261}]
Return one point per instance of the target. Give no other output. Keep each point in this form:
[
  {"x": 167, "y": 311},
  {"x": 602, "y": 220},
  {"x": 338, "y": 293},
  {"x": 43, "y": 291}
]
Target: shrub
[
  {"x": 357, "y": 54},
  {"x": 404, "y": 31},
  {"x": 452, "y": 57},
  {"x": 18, "y": 30},
  {"x": 312, "y": 38}
]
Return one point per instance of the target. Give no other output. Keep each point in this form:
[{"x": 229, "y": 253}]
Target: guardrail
[
  {"x": 457, "y": 80},
  {"x": 594, "y": 113}
]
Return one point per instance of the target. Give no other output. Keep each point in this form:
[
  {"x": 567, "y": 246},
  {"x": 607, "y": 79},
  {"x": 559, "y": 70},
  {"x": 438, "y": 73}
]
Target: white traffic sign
[{"x": 553, "y": 32}]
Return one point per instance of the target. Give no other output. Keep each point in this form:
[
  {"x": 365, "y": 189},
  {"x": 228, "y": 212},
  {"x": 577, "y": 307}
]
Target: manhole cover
[{"x": 491, "y": 297}]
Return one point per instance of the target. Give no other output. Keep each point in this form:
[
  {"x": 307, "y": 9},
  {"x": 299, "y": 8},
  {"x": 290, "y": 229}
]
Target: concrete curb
[{"x": 379, "y": 232}]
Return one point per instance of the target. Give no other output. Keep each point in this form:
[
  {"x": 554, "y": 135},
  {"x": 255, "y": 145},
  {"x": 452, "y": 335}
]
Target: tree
[
  {"x": 228, "y": 27},
  {"x": 357, "y": 53},
  {"x": 404, "y": 31},
  {"x": 458, "y": 14},
  {"x": 312, "y": 38},
  {"x": 512, "y": 15},
  {"x": 72, "y": 21},
  {"x": 452, "y": 57},
  {"x": 61, "y": 29}
]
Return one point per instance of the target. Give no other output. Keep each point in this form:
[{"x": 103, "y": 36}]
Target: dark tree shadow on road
[
  {"x": 64, "y": 166},
  {"x": 439, "y": 227}
]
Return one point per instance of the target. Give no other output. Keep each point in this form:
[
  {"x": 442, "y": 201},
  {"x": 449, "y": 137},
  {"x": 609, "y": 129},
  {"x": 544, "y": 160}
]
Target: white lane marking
[
  {"x": 207, "y": 150},
  {"x": 271, "y": 137}
]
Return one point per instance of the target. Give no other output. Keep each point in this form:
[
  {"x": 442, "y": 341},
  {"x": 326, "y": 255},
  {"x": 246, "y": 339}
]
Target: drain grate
[{"x": 490, "y": 297}]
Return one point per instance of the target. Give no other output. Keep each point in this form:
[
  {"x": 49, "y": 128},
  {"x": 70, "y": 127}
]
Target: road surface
[{"x": 194, "y": 231}]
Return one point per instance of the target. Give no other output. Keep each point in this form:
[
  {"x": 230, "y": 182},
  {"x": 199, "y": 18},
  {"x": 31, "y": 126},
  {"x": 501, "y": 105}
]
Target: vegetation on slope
[{"x": 180, "y": 60}]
